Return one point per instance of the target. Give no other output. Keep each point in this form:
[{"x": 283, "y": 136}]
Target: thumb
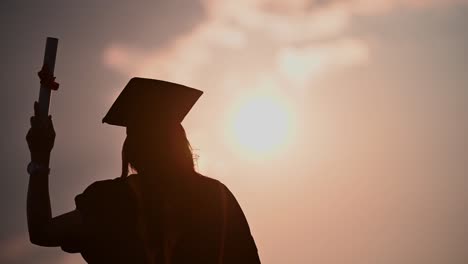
[{"x": 50, "y": 124}]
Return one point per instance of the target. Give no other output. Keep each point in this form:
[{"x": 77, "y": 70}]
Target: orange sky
[{"x": 340, "y": 126}]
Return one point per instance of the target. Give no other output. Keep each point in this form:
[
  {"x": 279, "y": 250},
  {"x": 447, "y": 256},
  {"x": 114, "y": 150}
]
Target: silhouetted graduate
[{"x": 164, "y": 213}]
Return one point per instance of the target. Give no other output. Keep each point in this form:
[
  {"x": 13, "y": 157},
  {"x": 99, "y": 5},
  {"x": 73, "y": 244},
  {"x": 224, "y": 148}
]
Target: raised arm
[{"x": 43, "y": 229}]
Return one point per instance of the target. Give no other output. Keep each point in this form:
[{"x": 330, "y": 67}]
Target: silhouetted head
[
  {"x": 152, "y": 112},
  {"x": 160, "y": 151}
]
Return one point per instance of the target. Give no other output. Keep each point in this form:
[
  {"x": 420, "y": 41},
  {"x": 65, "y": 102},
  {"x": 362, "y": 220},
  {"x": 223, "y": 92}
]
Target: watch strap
[{"x": 35, "y": 168}]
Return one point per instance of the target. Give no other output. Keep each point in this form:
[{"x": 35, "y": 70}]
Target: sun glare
[{"x": 261, "y": 126}]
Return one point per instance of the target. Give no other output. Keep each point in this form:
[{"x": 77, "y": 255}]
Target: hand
[{"x": 40, "y": 137}]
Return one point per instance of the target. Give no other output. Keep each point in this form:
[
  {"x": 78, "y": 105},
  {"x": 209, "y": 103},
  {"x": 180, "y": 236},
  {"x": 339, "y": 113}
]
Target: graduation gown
[{"x": 197, "y": 220}]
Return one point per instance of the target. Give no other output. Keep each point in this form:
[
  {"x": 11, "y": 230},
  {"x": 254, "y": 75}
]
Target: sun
[{"x": 261, "y": 126}]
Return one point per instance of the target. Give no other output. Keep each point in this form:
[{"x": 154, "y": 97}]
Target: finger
[
  {"x": 50, "y": 124},
  {"x": 31, "y": 136},
  {"x": 36, "y": 108},
  {"x": 28, "y": 136},
  {"x": 34, "y": 122}
]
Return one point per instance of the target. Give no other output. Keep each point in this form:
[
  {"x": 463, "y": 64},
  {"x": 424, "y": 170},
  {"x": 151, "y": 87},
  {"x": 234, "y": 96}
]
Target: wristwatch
[{"x": 37, "y": 168}]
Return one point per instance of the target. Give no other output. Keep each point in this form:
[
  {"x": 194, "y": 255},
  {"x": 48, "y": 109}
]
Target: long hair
[{"x": 157, "y": 150}]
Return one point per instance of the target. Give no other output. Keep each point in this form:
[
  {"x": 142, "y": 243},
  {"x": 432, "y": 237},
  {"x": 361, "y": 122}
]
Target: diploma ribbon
[{"x": 47, "y": 79}]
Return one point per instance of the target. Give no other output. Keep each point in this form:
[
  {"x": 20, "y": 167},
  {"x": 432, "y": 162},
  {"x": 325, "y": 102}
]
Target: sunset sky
[{"x": 340, "y": 126}]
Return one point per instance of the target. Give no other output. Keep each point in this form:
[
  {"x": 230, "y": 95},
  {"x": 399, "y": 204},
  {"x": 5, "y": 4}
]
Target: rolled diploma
[{"x": 49, "y": 61}]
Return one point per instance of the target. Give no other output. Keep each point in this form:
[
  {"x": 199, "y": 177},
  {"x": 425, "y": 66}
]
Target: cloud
[
  {"x": 229, "y": 25},
  {"x": 299, "y": 65},
  {"x": 370, "y": 7},
  {"x": 303, "y": 39}
]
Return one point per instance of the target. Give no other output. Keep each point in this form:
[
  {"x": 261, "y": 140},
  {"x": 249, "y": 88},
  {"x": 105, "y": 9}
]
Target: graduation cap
[{"x": 145, "y": 102}]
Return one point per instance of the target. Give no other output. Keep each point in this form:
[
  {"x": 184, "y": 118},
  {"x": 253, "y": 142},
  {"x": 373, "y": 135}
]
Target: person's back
[
  {"x": 127, "y": 222},
  {"x": 166, "y": 213}
]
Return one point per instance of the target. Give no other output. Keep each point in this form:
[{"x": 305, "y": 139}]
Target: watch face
[{"x": 30, "y": 167}]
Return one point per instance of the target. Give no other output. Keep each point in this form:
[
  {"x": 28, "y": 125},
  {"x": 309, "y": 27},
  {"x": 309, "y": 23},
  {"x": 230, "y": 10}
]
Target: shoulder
[
  {"x": 103, "y": 184},
  {"x": 217, "y": 188},
  {"x": 207, "y": 181},
  {"x": 99, "y": 192}
]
